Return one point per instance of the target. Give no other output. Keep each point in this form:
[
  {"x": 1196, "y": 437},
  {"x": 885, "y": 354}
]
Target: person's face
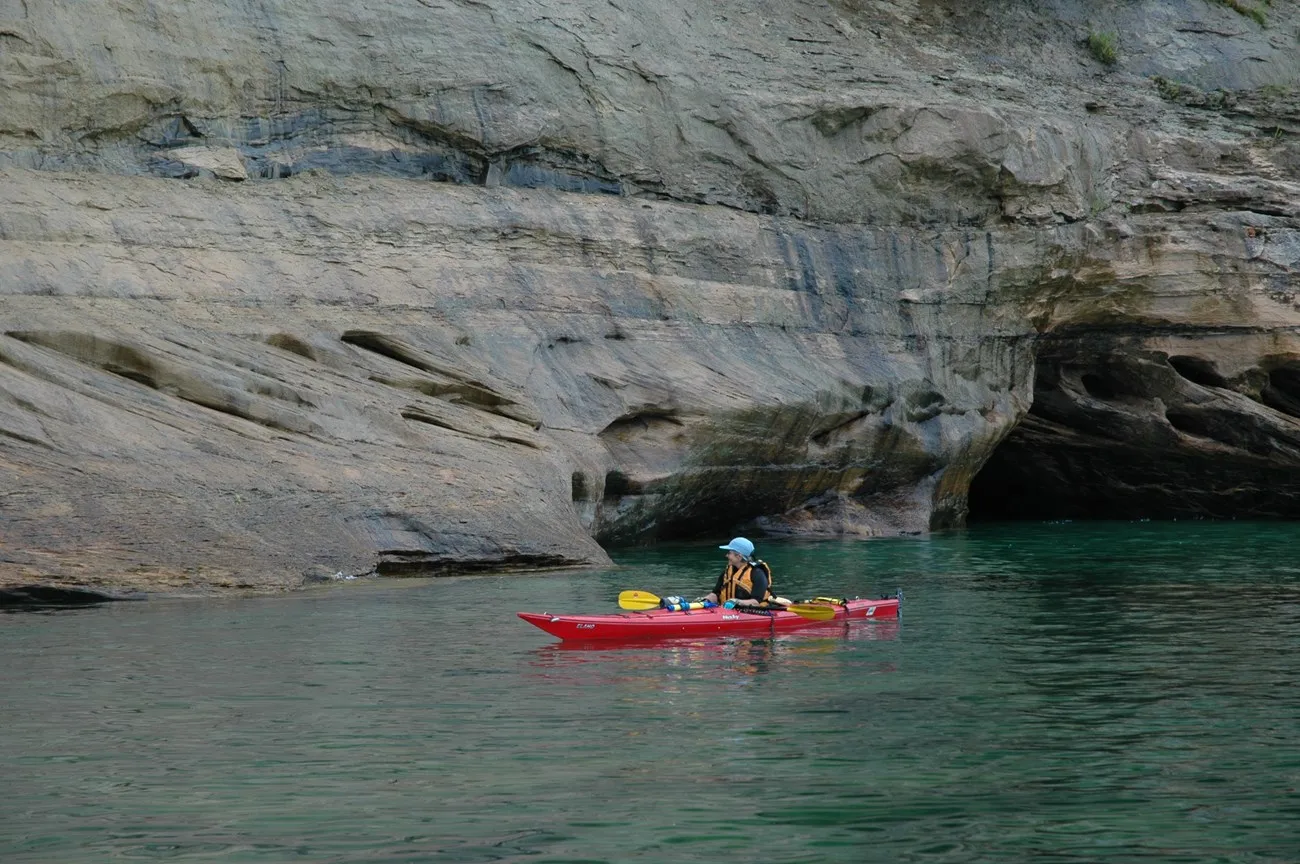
[{"x": 734, "y": 557}]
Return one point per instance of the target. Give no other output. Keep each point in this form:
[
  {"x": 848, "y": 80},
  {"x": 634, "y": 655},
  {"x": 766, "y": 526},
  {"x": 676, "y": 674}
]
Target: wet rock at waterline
[
  {"x": 38, "y": 597},
  {"x": 298, "y": 293}
]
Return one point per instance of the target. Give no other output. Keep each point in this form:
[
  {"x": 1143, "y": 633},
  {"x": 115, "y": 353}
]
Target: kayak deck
[{"x": 663, "y": 623}]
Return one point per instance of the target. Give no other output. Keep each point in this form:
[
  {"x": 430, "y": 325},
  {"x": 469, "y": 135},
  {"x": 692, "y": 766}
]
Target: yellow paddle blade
[
  {"x": 812, "y": 611},
  {"x": 637, "y": 600}
]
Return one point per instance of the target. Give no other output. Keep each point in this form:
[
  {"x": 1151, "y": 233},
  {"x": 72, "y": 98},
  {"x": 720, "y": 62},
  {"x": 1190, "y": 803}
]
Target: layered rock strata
[{"x": 294, "y": 292}]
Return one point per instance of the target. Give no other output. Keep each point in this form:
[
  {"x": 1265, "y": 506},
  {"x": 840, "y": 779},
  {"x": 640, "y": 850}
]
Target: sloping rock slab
[{"x": 52, "y": 596}]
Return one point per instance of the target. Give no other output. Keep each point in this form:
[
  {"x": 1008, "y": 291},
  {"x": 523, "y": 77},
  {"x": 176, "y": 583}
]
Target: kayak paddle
[
  {"x": 814, "y": 611},
  {"x": 637, "y": 600},
  {"x": 641, "y": 600}
]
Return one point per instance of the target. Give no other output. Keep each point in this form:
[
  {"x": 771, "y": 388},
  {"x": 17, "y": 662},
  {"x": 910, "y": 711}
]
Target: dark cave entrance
[{"x": 1117, "y": 431}]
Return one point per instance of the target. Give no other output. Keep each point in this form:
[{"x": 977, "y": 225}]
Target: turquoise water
[{"x": 1071, "y": 692}]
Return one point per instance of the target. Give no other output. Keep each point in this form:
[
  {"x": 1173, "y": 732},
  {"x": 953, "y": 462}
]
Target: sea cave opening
[{"x": 1134, "y": 435}]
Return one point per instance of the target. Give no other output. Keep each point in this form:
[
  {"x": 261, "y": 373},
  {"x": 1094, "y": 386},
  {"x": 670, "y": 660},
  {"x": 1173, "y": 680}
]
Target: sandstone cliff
[{"x": 291, "y": 289}]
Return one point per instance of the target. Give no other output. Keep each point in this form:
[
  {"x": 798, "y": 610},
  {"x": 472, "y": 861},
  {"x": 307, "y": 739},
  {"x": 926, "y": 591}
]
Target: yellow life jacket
[{"x": 743, "y": 577}]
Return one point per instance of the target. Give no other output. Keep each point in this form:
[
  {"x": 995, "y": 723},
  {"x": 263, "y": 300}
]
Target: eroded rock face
[
  {"x": 295, "y": 291},
  {"x": 463, "y": 380}
]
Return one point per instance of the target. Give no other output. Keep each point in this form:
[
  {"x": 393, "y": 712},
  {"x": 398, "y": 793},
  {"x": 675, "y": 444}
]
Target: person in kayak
[{"x": 744, "y": 581}]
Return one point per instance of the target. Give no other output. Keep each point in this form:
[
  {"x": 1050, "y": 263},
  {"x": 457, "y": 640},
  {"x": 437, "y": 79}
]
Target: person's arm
[
  {"x": 712, "y": 596},
  {"x": 761, "y": 582}
]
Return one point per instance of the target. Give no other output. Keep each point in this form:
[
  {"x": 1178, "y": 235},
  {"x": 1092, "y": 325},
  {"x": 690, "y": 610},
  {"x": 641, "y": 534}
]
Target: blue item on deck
[{"x": 681, "y": 604}]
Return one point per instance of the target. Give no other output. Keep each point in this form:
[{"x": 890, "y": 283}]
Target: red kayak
[{"x": 718, "y": 621}]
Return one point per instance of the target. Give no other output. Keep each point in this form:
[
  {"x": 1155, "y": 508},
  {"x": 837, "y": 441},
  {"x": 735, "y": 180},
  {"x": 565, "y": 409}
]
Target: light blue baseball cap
[{"x": 741, "y": 545}]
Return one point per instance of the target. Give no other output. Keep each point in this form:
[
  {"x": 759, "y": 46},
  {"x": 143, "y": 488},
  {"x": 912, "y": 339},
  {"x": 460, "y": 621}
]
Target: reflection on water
[
  {"x": 841, "y": 631},
  {"x": 807, "y": 649},
  {"x": 1077, "y": 693}
]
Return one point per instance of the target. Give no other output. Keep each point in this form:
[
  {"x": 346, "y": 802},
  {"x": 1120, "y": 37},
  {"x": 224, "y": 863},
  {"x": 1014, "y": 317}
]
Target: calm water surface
[{"x": 1070, "y": 692}]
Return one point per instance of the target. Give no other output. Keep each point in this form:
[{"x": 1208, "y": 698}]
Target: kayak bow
[{"x": 718, "y": 621}]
